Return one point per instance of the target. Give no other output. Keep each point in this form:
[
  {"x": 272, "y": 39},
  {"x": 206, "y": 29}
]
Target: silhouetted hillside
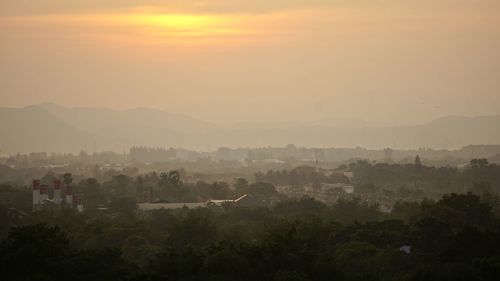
[
  {"x": 49, "y": 127},
  {"x": 34, "y": 129},
  {"x": 107, "y": 121},
  {"x": 119, "y": 129}
]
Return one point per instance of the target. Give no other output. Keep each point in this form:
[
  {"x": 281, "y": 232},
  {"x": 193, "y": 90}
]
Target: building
[
  {"x": 347, "y": 188},
  {"x": 169, "y": 206},
  {"x": 245, "y": 200},
  {"x": 36, "y": 194},
  {"x": 41, "y": 195},
  {"x": 57, "y": 192}
]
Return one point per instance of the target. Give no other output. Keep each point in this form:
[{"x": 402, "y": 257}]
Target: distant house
[
  {"x": 249, "y": 200},
  {"x": 405, "y": 249},
  {"x": 219, "y": 202},
  {"x": 349, "y": 175},
  {"x": 168, "y": 206},
  {"x": 245, "y": 200},
  {"x": 348, "y": 188}
]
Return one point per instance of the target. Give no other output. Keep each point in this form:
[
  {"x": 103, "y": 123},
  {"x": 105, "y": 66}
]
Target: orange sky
[{"x": 387, "y": 62}]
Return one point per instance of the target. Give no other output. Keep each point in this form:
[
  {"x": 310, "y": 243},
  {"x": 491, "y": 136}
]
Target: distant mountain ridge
[
  {"x": 34, "y": 129},
  {"x": 54, "y": 128},
  {"x": 101, "y": 119}
]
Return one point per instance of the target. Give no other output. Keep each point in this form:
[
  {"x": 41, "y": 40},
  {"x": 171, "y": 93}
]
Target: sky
[{"x": 387, "y": 62}]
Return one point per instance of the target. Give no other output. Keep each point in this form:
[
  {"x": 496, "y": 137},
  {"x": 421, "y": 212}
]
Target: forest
[
  {"x": 454, "y": 238},
  {"x": 443, "y": 224}
]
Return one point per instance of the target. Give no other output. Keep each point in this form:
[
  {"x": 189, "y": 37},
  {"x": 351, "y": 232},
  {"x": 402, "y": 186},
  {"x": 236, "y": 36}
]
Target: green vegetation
[
  {"x": 403, "y": 222},
  {"x": 455, "y": 238},
  {"x": 478, "y": 177}
]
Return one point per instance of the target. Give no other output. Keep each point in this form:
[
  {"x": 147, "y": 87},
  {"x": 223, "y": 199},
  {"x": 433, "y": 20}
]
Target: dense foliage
[
  {"x": 455, "y": 238},
  {"x": 478, "y": 176}
]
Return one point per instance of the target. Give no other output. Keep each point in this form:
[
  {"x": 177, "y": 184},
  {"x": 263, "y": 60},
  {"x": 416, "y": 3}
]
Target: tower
[
  {"x": 146, "y": 196},
  {"x": 36, "y": 194},
  {"x": 57, "y": 192},
  {"x": 69, "y": 197},
  {"x": 44, "y": 193},
  {"x": 79, "y": 199}
]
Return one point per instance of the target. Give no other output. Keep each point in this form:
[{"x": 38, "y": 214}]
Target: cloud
[{"x": 29, "y": 7}]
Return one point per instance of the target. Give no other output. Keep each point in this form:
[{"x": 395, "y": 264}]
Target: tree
[
  {"x": 405, "y": 211},
  {"x": 224, "y": 262},
  {"x": 350, "y": 211},
  {"x": 123, "y": 205},
  {"x": 240, "y": 183},
  {"x": 219, "y": 190},
  {"x": 368, "y": 188},
  {"x": 170, "y": 178},
  {"x": 460, "y": 210},
  {"x": 290, "y": 275},
  {"x": 35, "y": 252},
  {"x": 137, "y": 249},
  {"x": 67, "y": 179},
  {"x": 262, "y": 189},
  {"x": 479, "y": 163},
  {"x": 306, "y": 205},
  {"x": 93, "y": 193},
  {"x": 176, "y": 264},
  {"x": 418, "y": 162},
  {"x": 174, "y": 177},
  {"x": 354, "y": 259},
  {"x": 122, "y": 186}
]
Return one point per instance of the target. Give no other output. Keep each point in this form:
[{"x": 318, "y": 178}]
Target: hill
[
  {"x": 53, "y": 128},
  {"x": 34, "y": 129}
]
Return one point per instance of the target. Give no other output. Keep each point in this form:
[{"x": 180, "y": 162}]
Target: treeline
[
  {"x": 289, "y": 155},
  {"x": 388, "y": 182},
  {"x": 455, "y": 238},
  {"x": 373, "y": 182},
  {"x": 150, "y": 155},
  {"x": 477, "y": 177},
  {"x": 120, "y": 189},
  {"x": 302, "y": 175}
]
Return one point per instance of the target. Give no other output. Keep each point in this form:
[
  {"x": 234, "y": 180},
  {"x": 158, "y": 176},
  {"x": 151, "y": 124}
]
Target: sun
[
  {"x": 154, "y": 27},
  {"x": 183, "y": 25}
]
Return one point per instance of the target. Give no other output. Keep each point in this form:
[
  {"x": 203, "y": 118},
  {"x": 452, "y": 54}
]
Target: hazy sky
[{"x": 382, "y": 61}]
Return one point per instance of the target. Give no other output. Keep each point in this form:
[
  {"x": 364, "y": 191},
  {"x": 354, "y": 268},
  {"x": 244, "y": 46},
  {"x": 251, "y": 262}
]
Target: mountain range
[{"x": 53, "y": 128}]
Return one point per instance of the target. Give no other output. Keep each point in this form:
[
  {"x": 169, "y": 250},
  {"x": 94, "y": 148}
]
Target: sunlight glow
[
  {"x": 153, "y": 27},
  {"x": 182, "y": 25}
]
